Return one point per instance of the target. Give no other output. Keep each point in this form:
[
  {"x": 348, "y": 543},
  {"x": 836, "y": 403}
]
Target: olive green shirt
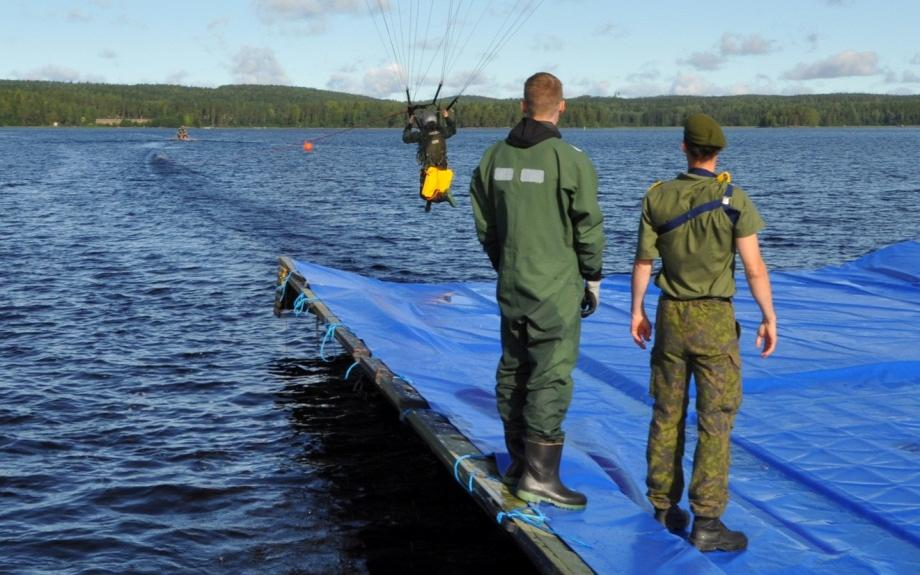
[{"x": 697, "y": 257}]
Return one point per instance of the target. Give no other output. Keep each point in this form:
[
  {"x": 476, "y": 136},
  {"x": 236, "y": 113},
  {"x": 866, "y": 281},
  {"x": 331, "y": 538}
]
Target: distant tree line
[{"x": 28, "y": 103}]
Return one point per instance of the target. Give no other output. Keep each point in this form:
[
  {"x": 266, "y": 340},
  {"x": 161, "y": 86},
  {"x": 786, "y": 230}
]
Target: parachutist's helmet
[{"x": 429, "y": 120}]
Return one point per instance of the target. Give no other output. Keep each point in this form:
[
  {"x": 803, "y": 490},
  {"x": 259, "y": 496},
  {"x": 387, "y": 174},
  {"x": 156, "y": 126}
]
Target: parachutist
[{"x": 430, "y": 130}]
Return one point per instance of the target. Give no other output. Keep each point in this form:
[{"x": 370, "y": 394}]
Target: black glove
[{"x": 591, "y": 299}]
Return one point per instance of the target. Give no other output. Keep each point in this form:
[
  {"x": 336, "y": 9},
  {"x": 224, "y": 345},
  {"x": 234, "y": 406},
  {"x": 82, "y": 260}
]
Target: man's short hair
[
  {"x": 701, "y": 153},
  {"x": 542, "y": 93}
]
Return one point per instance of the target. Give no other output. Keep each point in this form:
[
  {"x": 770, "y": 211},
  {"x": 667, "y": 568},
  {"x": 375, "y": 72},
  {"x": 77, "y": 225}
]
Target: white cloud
[
  {"x": 704, "y": 61},
  {"x": 845, "y": 64},
  {"x": 310, "y": 10},
  {"x": 692, "y": 85},
  {"x": 177, "y": 77},
  {"x": 641, "y": 89},
  {"x": 54, "y": 73},
  {"x": 591, "y": 87},
  {"x": 609, "y": 29},
  {"x": 77, "y": 16},
  {"x": 340, "y": 82},
  {"x": 915, "y": 59},
  {"x": 812, "y": 40},
  {"x": 257, "y": 66},
  {"x": 738, "y": 45},
  {"x": 906, "y": 77},
  {"x": 382, "y": 82},
  {"x": 217, "y": 25}
]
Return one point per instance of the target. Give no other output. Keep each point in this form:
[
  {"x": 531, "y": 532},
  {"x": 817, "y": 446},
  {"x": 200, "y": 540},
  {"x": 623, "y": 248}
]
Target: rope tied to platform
[
  {"x": 535, "y": 518},
  {"x": 348, "y": 372},
  {"x": 472, "y": 472},
  {"x": 329, "y": 336},
  {"x": 302, "y": 303},
  {"x": 282, "y": 287}
]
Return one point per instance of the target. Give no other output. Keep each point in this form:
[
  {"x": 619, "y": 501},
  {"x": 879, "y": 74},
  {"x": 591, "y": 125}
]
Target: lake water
[{"x": 156, "y": 418}]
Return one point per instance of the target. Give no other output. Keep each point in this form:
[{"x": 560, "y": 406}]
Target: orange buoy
[{"x": 307, "y": 146}]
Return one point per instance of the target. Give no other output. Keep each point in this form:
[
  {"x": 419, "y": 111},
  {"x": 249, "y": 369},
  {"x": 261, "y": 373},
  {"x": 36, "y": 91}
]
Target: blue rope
[
  {"x": 472, "y": 473},
  {"x": 536, "y": 519},
  {"x": 302, "y": 302},
  {"x": 282, "y": 287},
  {"x": 347, "y": 373},
  {"x": 330, "y": 334}
]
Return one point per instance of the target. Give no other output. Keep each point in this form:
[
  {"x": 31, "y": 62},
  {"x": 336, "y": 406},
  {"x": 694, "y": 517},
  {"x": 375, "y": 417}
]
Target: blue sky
[{"x": 600, "y": 48}]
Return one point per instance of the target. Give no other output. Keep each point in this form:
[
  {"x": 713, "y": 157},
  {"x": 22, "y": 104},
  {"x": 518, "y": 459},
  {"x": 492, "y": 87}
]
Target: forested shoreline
[{"x": 33, "y": 103}]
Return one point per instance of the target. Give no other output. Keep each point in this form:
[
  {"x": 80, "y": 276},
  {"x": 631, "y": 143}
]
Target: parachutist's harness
[{"x": 724, "y": 202}]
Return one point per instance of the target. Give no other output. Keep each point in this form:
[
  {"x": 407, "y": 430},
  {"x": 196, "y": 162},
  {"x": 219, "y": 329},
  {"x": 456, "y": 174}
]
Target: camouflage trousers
[{"x": 697, "y": 338}]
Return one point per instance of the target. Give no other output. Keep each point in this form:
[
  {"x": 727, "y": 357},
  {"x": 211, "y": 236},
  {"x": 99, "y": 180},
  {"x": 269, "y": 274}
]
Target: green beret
[{"x": 702, "y": 130}]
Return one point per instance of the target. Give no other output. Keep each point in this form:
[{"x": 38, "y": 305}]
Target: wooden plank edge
[{"x": 475, "y": 471}]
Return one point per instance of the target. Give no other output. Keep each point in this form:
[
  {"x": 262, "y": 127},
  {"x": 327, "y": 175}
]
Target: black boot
[
  {"x": 674, "y": 518},
  {"x": 540, "y": 482},
  {"x": 710, "y": 534},
  {"x": 514, "y": 441}
]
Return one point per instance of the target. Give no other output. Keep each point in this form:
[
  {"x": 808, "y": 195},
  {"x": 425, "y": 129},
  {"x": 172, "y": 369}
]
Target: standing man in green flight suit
[
  {"x": 695, "y": 224},
  {"x": 535, "y": 206}
]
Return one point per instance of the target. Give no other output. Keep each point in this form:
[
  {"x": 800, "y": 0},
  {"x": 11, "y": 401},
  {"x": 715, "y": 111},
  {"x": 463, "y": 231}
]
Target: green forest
[{"x": 32, "y": 103}]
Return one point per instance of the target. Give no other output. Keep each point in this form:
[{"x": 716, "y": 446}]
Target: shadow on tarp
[{"x": 825, "y": 474}]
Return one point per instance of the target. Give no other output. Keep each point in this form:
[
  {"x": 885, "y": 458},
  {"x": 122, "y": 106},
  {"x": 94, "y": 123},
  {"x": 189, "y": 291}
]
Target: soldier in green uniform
[
  {"x": 695, "y": 224},
  {"x": 535, "y": 206},
  {"x": 431, "y": 134}
]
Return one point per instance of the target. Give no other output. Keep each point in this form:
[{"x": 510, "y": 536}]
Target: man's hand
[
  {"x": 591, "y": 299},
  {"x": 766, "y": 338},
  {"x": 641, "y": 329}
]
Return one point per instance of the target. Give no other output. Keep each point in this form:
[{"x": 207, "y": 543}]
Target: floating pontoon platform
[{"x": 826, "y": 449}]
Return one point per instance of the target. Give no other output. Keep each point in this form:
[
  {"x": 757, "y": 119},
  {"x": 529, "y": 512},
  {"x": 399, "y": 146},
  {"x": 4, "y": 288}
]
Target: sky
[{"x": 596, "y": 47}]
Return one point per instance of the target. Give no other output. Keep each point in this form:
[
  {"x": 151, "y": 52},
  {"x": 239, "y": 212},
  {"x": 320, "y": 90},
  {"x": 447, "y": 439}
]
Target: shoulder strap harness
[{"x": 724, "y": 202}]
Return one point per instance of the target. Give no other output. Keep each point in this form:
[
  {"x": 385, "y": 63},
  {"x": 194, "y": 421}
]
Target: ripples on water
[{"x": 154, "y": 415}]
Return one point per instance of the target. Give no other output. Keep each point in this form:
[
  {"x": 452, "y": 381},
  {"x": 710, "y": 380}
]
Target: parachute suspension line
[
  {"x": 424, "y": 45},
  {"x": 388, "y": 40},
  {"x": 505, "y": 33},
  {"x": 466, "y": 29}
]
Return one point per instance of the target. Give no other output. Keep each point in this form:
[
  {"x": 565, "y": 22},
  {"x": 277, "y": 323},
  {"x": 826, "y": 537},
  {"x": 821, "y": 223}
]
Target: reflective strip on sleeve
[{"x": 503, "y": 174}]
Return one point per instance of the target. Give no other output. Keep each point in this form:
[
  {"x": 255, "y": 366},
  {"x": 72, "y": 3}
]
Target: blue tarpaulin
[{"x": 826, "y": 450}]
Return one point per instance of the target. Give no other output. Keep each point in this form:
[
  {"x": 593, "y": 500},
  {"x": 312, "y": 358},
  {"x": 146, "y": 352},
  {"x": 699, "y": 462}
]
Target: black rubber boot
[
  {"x": 540, "y": 482},
  {"x": 514, "y": 441},
  {"x": 712, "y": 535},
  {"x": 674, "y": 518}
]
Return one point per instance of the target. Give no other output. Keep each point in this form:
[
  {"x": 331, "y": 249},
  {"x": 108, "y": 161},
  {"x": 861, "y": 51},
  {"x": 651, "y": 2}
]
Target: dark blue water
[{"x": 156, "y": 418}]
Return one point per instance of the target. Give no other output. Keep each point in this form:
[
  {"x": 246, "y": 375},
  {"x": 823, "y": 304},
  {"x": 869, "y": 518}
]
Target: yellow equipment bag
[{"x": 437, "y": 182}]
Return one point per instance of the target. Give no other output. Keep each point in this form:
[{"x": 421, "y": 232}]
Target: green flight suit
[
  {"x": 535, "y": 206},
  {"x": 695, "y": 335}
]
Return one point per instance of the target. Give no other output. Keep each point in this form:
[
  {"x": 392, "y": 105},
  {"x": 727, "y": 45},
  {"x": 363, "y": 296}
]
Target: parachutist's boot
[
  {"x": 674, "y": 518},
  {"x": 540, "y": 482},
  {"x": 514, "y": 441},
  {"x": 710, "y": 534}
]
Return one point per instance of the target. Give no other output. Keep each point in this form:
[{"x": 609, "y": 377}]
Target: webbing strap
[{"x": 724, "y": 202}]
